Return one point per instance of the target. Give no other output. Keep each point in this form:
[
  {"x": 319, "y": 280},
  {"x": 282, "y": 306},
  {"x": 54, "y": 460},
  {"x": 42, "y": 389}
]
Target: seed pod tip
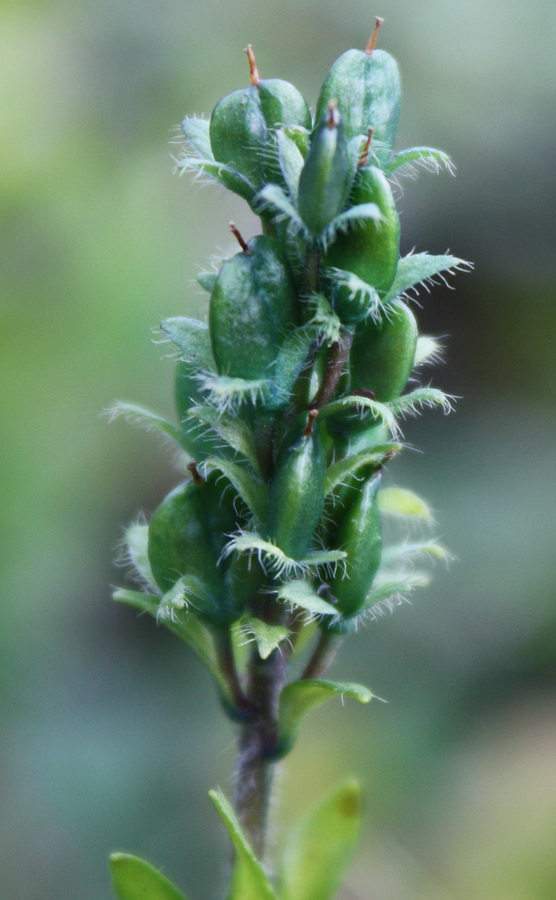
[
  {"x": 254, "y": 73},
  {"x": 373, "y": 38}
]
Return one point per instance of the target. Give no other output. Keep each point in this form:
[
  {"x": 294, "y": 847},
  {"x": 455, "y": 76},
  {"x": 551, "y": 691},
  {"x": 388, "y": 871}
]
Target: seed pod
[
  {"x": 187, "y": 534},
  {"x": 326, "y": 177},
  {"x": 366, "y": 86},
  {"x": 296, "y": 499},
  {"x": 368, "y": 249},
  {"x": 359, "y": 535},
  {"x": 381, "y": 361},
  {"x": 251, "y": 308},
  {"x": 243, "y": 122}
]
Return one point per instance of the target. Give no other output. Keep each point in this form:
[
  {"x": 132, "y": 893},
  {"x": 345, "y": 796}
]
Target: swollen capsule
[
  {"x": 243, "y": 123},
  {"x": 296, "y": 499},
  {"x": 252, "y": 307},
  {"x": 366, "y": 86}
]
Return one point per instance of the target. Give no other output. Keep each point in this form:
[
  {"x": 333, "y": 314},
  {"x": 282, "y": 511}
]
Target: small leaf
[
  {"x": 224, "y": 175},
  {"x": 135, "y": 879},
  {"x": 300, "y": 697},
  {"x": 291, "y": 161},
  {"x": 267, "y": 637},
  {"x": 197, "y": 134},
  {"x": 353, "y": 216},
  {"x": 419, "y": 268},
  {"x": 187, "y": 627},
  {"x": 249, "y": 881},
  {"x": 193, "y": 339},
  {"x": 320, "y": 848},
  {"x": 382, "y": 411},
  {"x": 250, "y": 488},
  {"x": 343, "y": 469},
  {"x": 389, "y": 594},
  {"x": 427, "y": 157},
  {"x": 415, "y": 549},
  {"x": 408, "y": 404},
  {"x": 207, "y": 280},
  {"x": 234, "y": 431},
  {"x": 428, "y": 350},
  {"x": 228, "y": 394},
  {"x": 397, "y": 501},
  {"x": 324, "y": 319},
  {"x": 139, "y": 415},
  {"x": 274, "y": 560},
  {"x": 273, "y": 197},
  {"x": 290, "y": 361},
  {"x": 302, "y": 594},
  {"x": 136, "y": 541}
]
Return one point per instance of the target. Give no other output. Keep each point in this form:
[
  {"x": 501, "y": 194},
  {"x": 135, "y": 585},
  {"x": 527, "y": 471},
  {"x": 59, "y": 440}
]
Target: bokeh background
[{"x": 110, "y": 732}]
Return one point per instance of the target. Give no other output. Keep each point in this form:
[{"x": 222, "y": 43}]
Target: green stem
[{"x": 323, "y": 655}]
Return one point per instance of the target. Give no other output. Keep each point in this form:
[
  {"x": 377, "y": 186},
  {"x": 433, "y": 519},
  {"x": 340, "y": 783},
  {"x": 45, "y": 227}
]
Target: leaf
[
  {"x": 229, "y": 394},
  {"x": 353, "y": 216},
  {"x": 139, "y": 415},
  {"x": 193, "y": 339},
  {"x": 291, "y": 161},
  {"x": 267, "y": 637},
  {"x": 224, "y": 175},
  {"x": 397, "y": 501},
  {"x": 428, "y": 157},
  {"x": 338, "y": 472},
  {"x": 187, "y": 627},
  {"x": 409, "y": 404},
  {"x": 302, "y": 594},
  {"x": 324, "y": 319},
  {"x": 300, "y": 697},
  {"x": 136, "y": 541},
  {"x": 428, "y": 350},
  {"x": 274, "y": 560},
  {"x": 134, "y": 878},
  {"x": 382, "y": 411},
  {"x": 197, "y": 134},
  {"x": 389, "y": 594},
  {"x": 289, "y": 363},
  {"x": 249, "y": 881},
  {"x": 250, "y": 488},
  {"x": 418, "y": 268},
  {"x": 319, "y": 849},
  {"x": 414, "y": 549},
  {"x": 274, "y": 198},
  {"x": 207, "y": 280},
  {"x": 231, "y": 429}
]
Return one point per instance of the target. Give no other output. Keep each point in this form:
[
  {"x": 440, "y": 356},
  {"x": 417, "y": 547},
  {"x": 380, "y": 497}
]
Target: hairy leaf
[
  {"x": 397, "y": 501},
  {"x": 250, "y": 488},
  {"x": 267, "y": 637},
  {"x": 427, "y": 157},
  {"x": 197, "y": 135},
  {"x": 193, "y": 339},
  {"x": 134, "y": 878},
  {"x": 342, "y": 470},
  {"x": 302, "y": 594},
  {"x": 419, "y": 268}
]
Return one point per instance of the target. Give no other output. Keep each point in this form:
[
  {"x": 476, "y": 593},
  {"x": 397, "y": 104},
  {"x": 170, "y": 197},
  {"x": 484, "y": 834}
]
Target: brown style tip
[
  {"x": 195, "y": 474},
  {"x": 239, "y": 238},
  {"x": 255, "y": 77},
  {"x": 313, "y": 413},
  {"x": 373, "y": 38},
  {"x": 363, "y": 159},
  {"x": 333, "y": 116}
]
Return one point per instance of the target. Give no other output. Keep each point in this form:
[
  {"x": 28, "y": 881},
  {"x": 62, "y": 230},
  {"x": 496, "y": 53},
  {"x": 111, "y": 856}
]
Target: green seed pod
[
  {"x": 251, "y": 308},
  {"x": 370, "y": 250},
  {"x": 326, "y": 177},
  {"x": 366, "y": 86},
  {"x": 296, "y": 498},
  {"x": 243, "y": 122},
  {"x": 187, "y": 534},
  {"x": 381, "y": 361},
  {"x": 359, "y": 535}
]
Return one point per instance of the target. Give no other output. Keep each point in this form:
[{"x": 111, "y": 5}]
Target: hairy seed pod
[
  {"x": 251, "y": 308},
  {"x": 381, "y": 361},
  {"x": 243, "y": 123},
  {"x": 326, "y": 177},
  {"x": 366, "y": 86},
  {"x": 187, "y": 534},
  {"x": 359, "y": 535},
  {"x": 296, "y": 499},
  {"x": 368, "y": 249}
]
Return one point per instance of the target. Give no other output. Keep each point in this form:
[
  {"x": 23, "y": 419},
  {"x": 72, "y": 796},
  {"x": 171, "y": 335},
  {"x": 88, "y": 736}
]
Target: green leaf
[
  {"x": 135, "y": 879},
  {"x": 207, "y": 280},
  {"x": 139, "y": 415},
  {"x": 249, "y": 881},
  {"x": 413, "y": 550},
  {"x": 389, "y": 594},
  {"x": 344, "y": 469},
  {"x": 427, "y": 157},
  {"x": 274, "y": 198},
  {"x": 302, "y": 594},
  {"x": 409, "y": 404},
  {"x": 397, "y": 501},
  {"x": 193, "y": 339},
  {"x": 300, "y": 697},
  {"x": 320, "y": 848},
  {"x": 267, "y": 637},
  {"x": 418, "y": 268},
  {"x": 290, "y": 361},
  {"x": 359, "y": 213},
  {"x": 197, "y": 134},
  {"x": 273, "y": 559},
  {"x": 224, "y": 175},
  {"x": 228, "y": 394},
  {"x": 383, "y": 411},
  {"x": 249, "y": 487},
  {"x": 291, "y": 161},
  {"x": 234, "y": 431},
  {"x": 324, "y": 319},
  {"x": 428, "y": 350},
  {"x": 187, "y": 627},
  {"x": 136, "y": 541}
]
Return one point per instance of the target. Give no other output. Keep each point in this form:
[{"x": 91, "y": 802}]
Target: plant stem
[
  {"x": 323, "y": 655},
  {"x": 339, "y": 352},
  {"x": 256, "y": 745}
]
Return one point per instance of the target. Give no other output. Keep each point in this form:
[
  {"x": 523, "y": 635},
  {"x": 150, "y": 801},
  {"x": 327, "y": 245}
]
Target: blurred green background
[{"x": 111, "y": 734}]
